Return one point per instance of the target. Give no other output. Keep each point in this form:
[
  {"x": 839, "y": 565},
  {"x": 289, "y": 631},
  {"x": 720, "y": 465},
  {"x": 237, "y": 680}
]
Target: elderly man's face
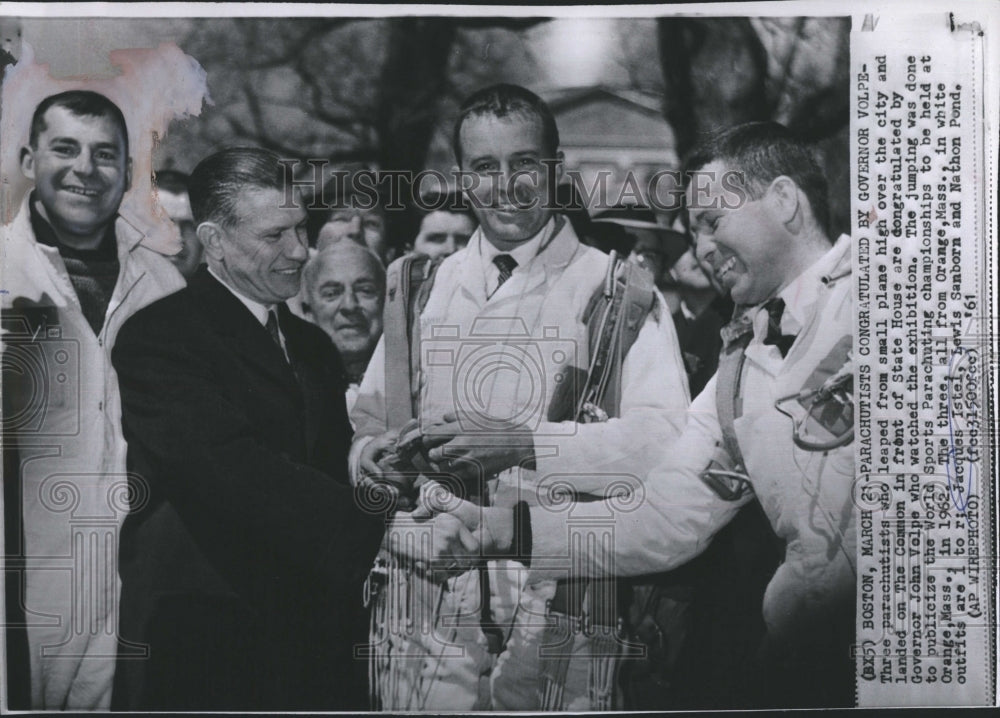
[
  {"x": 443, "y": 233},
  {"x": 178, "y": 208},
  {"x": 345, "y": 297},
  {"x": 362, "y": 226},
  {"x": 743, "y": 246},
  {"x": 264, "y": 252},
  {"x": 512, "y": 193},
  {"x": 81, "y": 171}
]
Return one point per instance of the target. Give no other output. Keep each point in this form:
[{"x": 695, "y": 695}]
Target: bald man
[{"x": 344, "y": 293}]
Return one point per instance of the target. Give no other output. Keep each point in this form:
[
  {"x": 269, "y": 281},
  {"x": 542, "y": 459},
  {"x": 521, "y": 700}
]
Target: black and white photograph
[{"x": 442, "y": 358}]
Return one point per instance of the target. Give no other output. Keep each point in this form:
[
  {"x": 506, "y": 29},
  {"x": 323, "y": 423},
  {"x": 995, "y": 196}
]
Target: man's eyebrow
[
  {"x": 480, "y": 158},
  {"x": 72, "y": 140},
  {"x": 278, "y": 227}
]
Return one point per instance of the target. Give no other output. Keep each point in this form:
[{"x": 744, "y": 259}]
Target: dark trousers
[
  {"x": 18, "y": 678},
  {"x": 209, "y": 655}
]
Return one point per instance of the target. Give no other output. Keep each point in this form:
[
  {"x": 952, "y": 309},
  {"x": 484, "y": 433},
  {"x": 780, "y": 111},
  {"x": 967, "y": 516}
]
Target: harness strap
[
  {"x": 726, "y": 474},
  {"x": 729, "y": 403},
  {"x": 614, "y": 317},
  {"x": 408, "y": 283},
  {"x": 395, "y": 321}
]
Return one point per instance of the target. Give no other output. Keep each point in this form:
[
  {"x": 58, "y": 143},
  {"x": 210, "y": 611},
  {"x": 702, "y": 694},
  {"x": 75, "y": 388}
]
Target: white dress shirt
[{"x": 258, "y": 310}]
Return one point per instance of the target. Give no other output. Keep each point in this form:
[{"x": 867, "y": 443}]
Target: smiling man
[
  {"x": 504, "y": 342},
  {"x": 244, "y": 552},
  {"x": 345, "y": 291},
  {"x": 775, "y": 422},
  {"x": 74, "y": 271}
]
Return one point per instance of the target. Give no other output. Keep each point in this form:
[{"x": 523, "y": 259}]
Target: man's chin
[
  {"x": 510, "y": 233},
  {"x": 351, "y": 345},
  {"x": 80, "y": 224}
]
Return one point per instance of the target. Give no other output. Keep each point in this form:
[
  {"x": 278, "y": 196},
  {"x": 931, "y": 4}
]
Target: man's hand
[
  {"x": 374, "y": 450},
  {"x": 373, "y": 461},
  {"x": 471, "y": 456},
  {"x": 436, "y": 499},
  {"x": 442, "y": 544}
]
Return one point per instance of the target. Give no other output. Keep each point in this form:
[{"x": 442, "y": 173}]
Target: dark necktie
[
  {"x": 775, "y": 308},
  {"x": 506, "y": 264},
  {"x": 272, "y": 329}
]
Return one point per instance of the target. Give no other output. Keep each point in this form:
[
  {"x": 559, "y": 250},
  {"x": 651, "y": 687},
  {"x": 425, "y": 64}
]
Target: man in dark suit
[{"x": 244, "y": 554}]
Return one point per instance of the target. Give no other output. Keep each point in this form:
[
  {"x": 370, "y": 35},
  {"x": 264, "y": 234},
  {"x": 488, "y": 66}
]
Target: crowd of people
[{"x": 347, "y": 457}]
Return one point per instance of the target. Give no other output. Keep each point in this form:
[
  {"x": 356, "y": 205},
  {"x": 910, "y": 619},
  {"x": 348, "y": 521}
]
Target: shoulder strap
[
  {"x": 614, "y": 316},
  {"x": 728, "y": 406},
  {"x": 408, "y": 285}
]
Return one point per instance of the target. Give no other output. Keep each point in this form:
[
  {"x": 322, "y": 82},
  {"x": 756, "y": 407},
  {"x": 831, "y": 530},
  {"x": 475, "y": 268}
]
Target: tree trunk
[
  {"x": 414, "y": 78},
  {"x": 715, "y": 74}
]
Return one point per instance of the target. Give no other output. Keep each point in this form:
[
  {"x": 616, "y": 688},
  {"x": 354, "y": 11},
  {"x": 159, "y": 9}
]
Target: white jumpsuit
[{"x": 501, "y": 358}]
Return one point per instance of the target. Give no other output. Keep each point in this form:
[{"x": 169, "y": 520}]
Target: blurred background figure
[
  {"x": 353, "y": 214},
  {"x": 700, "y": 310},
  {"x": 574, "y": 208},
  {"x": 650, "y": 244},
  {"x": 445, "y": 229},
  {"x": 172, "y": 194},
  {"x": 344, "y": 290}
]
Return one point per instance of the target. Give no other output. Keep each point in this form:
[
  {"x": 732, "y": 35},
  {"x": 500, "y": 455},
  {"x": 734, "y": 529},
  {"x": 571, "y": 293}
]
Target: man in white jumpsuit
[
  {"x": 73, "y": 272},
  {"x": 503, "y": 327},
  {"x": 758, "y": 212}
]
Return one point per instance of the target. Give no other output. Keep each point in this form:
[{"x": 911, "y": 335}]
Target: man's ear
[
  {"x": 27, "y": 157},
  {"x": 128, "y": 174},
  {"x": 783, "y": 194},
  {"x": 306, "y": 309},
  {"x": 210, "y": 236}
]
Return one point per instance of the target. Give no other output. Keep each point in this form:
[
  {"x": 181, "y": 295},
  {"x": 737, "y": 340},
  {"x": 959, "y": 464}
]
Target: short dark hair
[
  {"x": 762, "y": 151},
  {"x": 218, "y": 179},
  {"x": 453, "y": 201},
  {"x": 501, "y": 101},
  {"x": 82, "y": 103},
  {"x": 171, "y": 181}
]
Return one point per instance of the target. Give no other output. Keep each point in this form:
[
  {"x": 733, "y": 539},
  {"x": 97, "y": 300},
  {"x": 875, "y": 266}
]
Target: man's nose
[
  {"x": 349, "y": 301},
  {"x": 296, "y": 247},
  {"x": 704, "y": 248},
  {"x": 83, "y": 163},
  {"x": 354, "y": 229}
]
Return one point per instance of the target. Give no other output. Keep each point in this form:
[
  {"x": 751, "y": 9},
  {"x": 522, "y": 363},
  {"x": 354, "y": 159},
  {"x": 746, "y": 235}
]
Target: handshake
[
  {"x": 428, "y": 473},
  {"x": 399, "y": 462}
]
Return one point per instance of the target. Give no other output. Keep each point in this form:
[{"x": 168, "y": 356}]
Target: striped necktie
[{"x": 506, "y": 264}]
